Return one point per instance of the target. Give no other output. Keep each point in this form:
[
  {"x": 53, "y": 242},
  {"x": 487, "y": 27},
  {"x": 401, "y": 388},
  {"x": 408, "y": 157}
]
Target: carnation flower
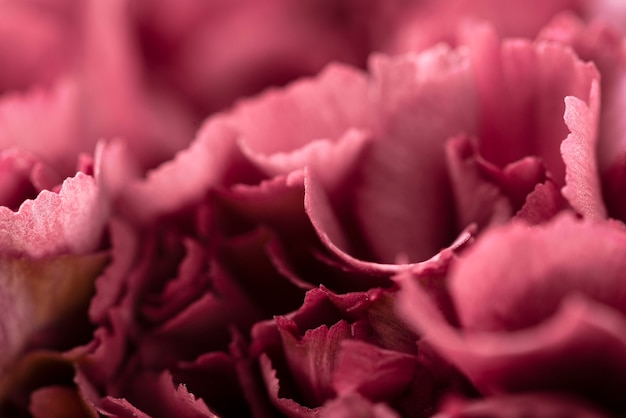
[{"x": 311, "y": 208}]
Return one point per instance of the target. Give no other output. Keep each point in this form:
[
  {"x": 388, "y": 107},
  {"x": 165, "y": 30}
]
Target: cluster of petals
[{"x": 312, "y": 209}]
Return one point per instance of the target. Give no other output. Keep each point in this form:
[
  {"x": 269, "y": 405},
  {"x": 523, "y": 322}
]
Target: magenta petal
[
  {"x": 582, "y": 179},
  {"x": 70, "y": 221}
]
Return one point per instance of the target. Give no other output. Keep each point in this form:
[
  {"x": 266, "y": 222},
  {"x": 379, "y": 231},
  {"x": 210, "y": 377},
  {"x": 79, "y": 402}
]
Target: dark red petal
[
  {"x": 43, "y": 300},
  {"x": 324, "y": 108},
  {"x": 552, "y": 323}
]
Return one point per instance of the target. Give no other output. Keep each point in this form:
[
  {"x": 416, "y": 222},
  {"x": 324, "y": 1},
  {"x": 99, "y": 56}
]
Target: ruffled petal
[
  {"x": 552, "y": 323},
  {"x": 582, "y": 178},
  {"x": 521, "y": 88},
  {"x": 71, "y": 221}
]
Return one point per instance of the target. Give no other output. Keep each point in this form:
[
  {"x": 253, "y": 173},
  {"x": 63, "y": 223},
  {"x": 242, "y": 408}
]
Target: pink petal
[
  {"x": 26, "y": 118},
  {"x": 611, "y": 11},
  {"x": 477, "y": 200},
  {"x": 112, "y": 85},
  {"x": 542, "y": 204},
  {"x": 101, "y": 363},
  {"x": 426, "y": 24},
  {"x": 120, "y": 408},
  {"x": 110, "y": 285},
  {"x": 58, "y": 402},
  {"x": 211, "y": 160},
  {"x": 275, "y": 294},
  {"x": 45, "y": 46},
  {"x": 430, "y": 93},
  {"x": 603, "y": 46},
  {"x": 265, "y": 47},
  {"x": 276, "y": 202},
  {"x": 70, "y": 221},
  {"x": 157, "y": 395},
  {"x": 377, "y": 374},
  {"x": 582, "y": 179},
  {"x": 522, "y": 87}
]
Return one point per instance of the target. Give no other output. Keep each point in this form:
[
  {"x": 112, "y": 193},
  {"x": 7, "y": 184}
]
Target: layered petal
[{"x": 553, "y": 323}]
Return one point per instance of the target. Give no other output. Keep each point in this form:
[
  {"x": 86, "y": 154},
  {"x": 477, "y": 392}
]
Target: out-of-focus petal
[
  {"x": 58, "y": 402},
  {"x": 532, "y": 405},
  {"x": 354, "y": 405},
  {"x": 553, "y": 323}
]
